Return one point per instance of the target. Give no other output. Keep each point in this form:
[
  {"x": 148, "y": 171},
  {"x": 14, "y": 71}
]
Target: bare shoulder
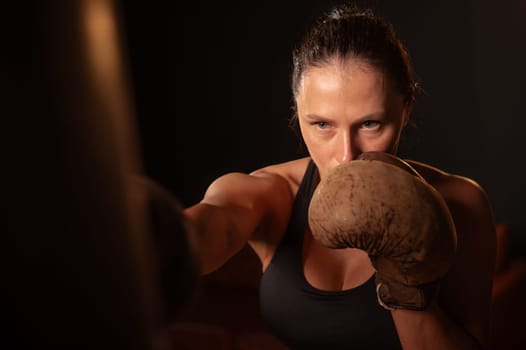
[
  {"x": 262, "y": 200},
  {"x": 470, "y": 209},
  {"x": 269, "y": 189},
  {"x": 457, "y": 190},
  {"x": 292, "y": 172},
  {"x": 266, "y": 192}
]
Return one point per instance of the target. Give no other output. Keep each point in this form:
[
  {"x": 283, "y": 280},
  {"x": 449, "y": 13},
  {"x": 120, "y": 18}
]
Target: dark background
[{"x": 211, "y": 88}]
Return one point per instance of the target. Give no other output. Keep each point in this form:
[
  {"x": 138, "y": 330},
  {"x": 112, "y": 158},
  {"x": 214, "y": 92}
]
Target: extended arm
[{"x": 237, "y": 208}]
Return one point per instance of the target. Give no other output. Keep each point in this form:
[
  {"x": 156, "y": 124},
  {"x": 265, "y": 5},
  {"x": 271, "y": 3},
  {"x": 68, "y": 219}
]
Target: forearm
[{"x": 431, "y": 329}]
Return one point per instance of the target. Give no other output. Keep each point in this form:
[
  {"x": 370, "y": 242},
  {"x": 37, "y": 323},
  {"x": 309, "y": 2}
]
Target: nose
[{"x": 347, "y": 148}]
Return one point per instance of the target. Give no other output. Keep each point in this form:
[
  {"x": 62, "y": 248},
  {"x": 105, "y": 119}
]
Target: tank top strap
[{"x": 299, "y": 216}]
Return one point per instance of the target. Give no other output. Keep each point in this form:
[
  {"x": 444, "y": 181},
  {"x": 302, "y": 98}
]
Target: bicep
[
  {"x": 234, "y": 208},
  {"x": 250, "y": 202}
]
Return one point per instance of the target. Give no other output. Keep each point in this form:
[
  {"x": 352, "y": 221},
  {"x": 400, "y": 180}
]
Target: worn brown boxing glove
[{"x": 380, "y": 204}]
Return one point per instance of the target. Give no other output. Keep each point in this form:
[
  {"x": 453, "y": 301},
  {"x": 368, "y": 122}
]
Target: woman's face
[{"x": 348, "y": 108}]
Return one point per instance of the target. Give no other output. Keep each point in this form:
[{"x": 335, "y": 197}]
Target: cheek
[
  {"x": 318, "y": 151},
  {"x": 309, "y": 140},
  {"x": 322, "y": 156},
  {"x": 312, "y": 143},
  {"x": 386, "y": 142}
]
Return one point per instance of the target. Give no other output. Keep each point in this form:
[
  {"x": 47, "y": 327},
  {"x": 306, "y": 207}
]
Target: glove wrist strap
[{"x": 394, "y": 295}]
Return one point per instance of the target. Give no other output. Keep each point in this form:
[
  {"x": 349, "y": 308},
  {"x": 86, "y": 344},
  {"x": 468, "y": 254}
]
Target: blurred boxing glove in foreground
[
  {"x": 380, "y": 204},
  {"x": 178, "y": 266}
]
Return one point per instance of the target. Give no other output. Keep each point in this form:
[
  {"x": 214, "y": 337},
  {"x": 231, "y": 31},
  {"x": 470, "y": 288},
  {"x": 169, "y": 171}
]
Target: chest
[
  {"x": 317, "y": 301},
  {"x": 334, "y": 269}
]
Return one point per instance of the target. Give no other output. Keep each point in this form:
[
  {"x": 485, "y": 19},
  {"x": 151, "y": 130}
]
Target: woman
[{"x": 353, "y": 87}]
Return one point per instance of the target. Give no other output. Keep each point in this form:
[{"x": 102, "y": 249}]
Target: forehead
[{"x": 349, "y": 78}]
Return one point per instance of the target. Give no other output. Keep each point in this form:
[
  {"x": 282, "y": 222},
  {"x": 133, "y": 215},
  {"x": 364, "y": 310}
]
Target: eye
[
  {"x": 370, "y": 124},
  {"x": 321, "y": 125}
]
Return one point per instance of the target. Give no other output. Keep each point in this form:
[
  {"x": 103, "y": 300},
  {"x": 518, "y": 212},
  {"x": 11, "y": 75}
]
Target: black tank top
[{"x": 303, "y": 317}]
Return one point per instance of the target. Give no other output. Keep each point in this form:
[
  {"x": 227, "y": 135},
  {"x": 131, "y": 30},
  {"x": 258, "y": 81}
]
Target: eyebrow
[
  {"x": 375, "y": 115},
  {"x": 314, "y": 117}
]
